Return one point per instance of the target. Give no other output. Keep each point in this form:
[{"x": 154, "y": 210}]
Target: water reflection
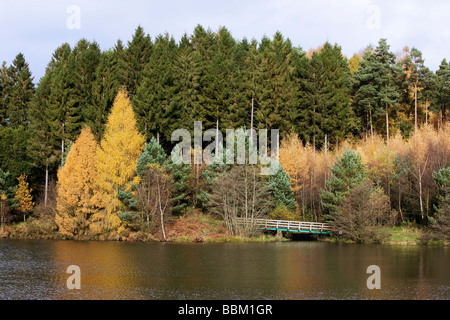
[{"x": 283, "y": 270}]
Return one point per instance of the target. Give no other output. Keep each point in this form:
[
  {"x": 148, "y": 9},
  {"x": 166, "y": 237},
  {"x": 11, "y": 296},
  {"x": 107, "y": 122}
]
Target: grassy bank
[
  {"x": 411, "y": 235},
  {"x": 199, "y": 227},
  {"x": 400, "y": 235},
  {"x": 193, "y": 227}
]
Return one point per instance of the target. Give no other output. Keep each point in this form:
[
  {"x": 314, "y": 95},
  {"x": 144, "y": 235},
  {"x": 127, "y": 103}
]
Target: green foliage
[
  {"x": 20, "y": 92},
  {"x": 128, "y": 216},
  {"x": 181, "y": 175},
  {"x": 228, "y": 83},
  {"x": 126, "y": 197},
  {"x": 361, "y": 214},
  {"x": 442, "y": 93},
  {"x": 153, "y": 153},
  {"x": 133, "y": 59},
  {"x": 377, "y": 87},
  {"x": 153, "y": 99},
  {"x": 7, "y": 191},
  {"x": 442, "y": 224},
  {"x": 281, "y": 212},
  {"x": 347, "y": 172},
  {"x": 14, "y": 156},
  {"x": 327, "y": 95},
  {"x": 280, "y": 188}
]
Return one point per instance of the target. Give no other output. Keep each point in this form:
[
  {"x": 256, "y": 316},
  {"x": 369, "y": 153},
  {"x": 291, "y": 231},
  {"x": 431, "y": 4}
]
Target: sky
[{"x": 36, "y": 28}]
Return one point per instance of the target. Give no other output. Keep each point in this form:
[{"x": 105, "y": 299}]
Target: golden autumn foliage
[
  {"x": 117, "y": 155},
  {"x": 25, "y": 202},
  {"x": 403, "y": 168},
  {"x": 308, "y": 169},
  {"x": 76, "y": 201}
]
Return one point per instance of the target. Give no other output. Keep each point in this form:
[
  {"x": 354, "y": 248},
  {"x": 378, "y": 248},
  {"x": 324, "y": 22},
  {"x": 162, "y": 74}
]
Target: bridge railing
[{"x": 300, "y": 226}]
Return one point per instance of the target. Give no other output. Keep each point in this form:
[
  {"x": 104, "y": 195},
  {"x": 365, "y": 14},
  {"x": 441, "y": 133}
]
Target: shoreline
[{"x": 201, "y": 228}]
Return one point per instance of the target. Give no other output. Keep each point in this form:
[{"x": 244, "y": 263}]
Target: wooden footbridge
[{"x": 285, "y": 225}]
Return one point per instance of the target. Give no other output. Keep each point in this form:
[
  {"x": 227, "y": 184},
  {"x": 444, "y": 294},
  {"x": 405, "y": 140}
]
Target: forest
[{"x": 87, "y": 150}]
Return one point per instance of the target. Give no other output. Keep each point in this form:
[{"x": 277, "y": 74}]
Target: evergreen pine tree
[
  {"x": 276, "y": 92},
  {"x": 63, "y": 112},
  {"x": 43, "y": 144},
  {"x": 133, "y": 60},
  {"x": 86, "y": 58},
  {"x": 5, "y": 88},
  {"x": 153, "y": 153},
  {"x": 14, "y": 155},
  {"x": 181, "y": 174},
  {"x": 186, "y": 73},
  {"x": 415, "y": 76},
  {"x": 21, "y": 92},
  {"x": 153, "y": 100},
  {"x": 442, "y": 225},
  {"x": 329, "y": 115},
  {"x": 220, "y": 106},
  {"x": 443, "y": 94},
  {"x": 280, "y": 188},
  {"x": 104, "y": 89},
  {"x": 387, "y": 87},
  {"x": 347, "y": 172}
]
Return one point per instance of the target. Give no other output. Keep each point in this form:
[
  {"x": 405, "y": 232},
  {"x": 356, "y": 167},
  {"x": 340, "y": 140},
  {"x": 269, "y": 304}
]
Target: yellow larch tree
[
  {"x": 293, "y": 158},
  {"x": 76, "y": 201},
  {"x": 117, "y": 155},
  {"x": 23, "y": 195}
]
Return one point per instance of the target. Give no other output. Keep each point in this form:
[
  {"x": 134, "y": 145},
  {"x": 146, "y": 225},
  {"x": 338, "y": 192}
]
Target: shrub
[
  {"x": 281, "y": 212},
  {"x": 362, "y": 212}
]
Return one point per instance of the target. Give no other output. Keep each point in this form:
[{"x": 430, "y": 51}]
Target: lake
[{"x": 37, "y": 269}]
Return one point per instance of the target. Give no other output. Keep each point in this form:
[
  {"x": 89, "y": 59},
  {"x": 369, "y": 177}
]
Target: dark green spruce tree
[
  {"x": 328, "y": 117},
  {"x": 133, "y": 60},
  {"x": 153, "y": 99},
  {"x": 443, "y": 93},
  {"x": 186, "y": 80}
]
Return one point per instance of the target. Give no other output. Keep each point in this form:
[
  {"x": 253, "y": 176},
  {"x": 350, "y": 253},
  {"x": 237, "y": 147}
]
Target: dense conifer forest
[{"x": 364, "y": 140}]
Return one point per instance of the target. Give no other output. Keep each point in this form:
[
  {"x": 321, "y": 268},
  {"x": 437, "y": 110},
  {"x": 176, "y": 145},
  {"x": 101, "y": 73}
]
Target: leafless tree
[
  {"x": 240, "y": 192},
  {"x": 154, "y": 195},
  {"x": 362, "y": 212},
  {"x": 4, "y": 210}
]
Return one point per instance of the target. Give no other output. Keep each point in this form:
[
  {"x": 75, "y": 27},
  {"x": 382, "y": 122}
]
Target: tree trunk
[
  {"x": 46, "y": 186},
  {"x": 420, "y": 193},
  {"x": 2, "y": 213},
  {"x": 387, "y": 125},
  {"x": 251, "y": 124},
  {"x": 161, "y": 211},
  {"x": 62, "y": 145},
  {"x": 371, "y": 124},
  {"x": 400, "y": 201},
  {"x": 217, "y": 138},
  {"x": 415, "y": 109}
]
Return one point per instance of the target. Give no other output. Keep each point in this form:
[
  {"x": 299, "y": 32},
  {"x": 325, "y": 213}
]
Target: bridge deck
[{"x": 291, "y": 226}]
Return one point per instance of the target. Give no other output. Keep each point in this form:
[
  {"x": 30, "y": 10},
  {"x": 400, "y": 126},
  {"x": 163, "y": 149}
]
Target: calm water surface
[{"x": 36, "y": 269}]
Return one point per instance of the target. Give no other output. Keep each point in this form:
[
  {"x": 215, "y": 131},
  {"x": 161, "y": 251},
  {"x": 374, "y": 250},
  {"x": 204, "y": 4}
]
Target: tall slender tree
[
  {"x": 152, "y": 102},
  {"x": 21, "y": 92},
  {"x": 133, "y": 60},
  {"x": 116, "y": 160},
  {"x": 76, "y": 201}
]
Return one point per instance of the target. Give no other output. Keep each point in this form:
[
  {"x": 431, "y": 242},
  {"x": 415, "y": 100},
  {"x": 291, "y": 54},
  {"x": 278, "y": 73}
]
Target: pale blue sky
[{"x": 37, "y": 28}]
